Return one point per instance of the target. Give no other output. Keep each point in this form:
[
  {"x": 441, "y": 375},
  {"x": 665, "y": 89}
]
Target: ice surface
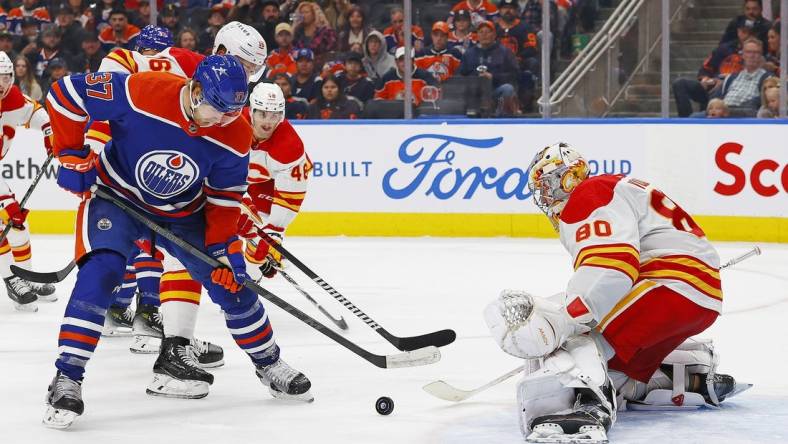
[{"x": 411, "y": 286}]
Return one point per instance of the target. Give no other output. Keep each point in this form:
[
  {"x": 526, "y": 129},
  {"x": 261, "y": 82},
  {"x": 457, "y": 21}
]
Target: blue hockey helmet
[
  {"x": 223, "y": 81},
  {"x": 154, "y": 37}
]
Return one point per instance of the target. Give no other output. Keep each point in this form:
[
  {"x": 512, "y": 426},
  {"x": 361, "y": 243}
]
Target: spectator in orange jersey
[
  {"x": 28, "y": 9},
  {"x": 522, "y": 40},
  {"x": 119, "y": 33},
  {"x": 332, "y": 103},
  {"x": 479, "y": 11},
  {"x": 462, "y": 37},
  {"x": 295, "y": 107},
  {"x": 392, "y": 85},
  {"x": 395, "y": 34},
  {"x": 439, "y": 60},
  {"x": 726, "y": 59},
  {"x": 281, "y": 60}
]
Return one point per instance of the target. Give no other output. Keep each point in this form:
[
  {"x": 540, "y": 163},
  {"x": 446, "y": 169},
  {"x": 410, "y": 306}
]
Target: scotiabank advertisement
[{"x": 732, "y": 169}]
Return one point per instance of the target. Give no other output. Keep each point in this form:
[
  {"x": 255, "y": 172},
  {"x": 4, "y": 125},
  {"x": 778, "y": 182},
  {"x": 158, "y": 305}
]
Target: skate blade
[
  {"x": 58, "y": 419},
  {"x": 740, "y": 387},
  {"x": 587, "y": 435},
  {"x": 218, "y": 363},
  {"x": 168, "y": 387},
  {"x": 48, "y": 298},
  {"x": 303, "y": 397},
  {"x": 145, "y": 345},
  {"x": 30, "y": 307}
]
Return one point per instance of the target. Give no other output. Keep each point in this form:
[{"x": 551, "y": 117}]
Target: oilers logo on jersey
[{"x": 166, "y": 173}]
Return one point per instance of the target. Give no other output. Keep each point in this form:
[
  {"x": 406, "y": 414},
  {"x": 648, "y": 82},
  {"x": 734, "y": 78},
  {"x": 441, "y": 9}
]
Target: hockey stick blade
[
  {"x": 443, "y": 390},
  {"x": 435, "y": 339},
  {"x": 418, "y": 357},
  {"x": 45, "y": 277},
  {"x": 422, "y": 356}
]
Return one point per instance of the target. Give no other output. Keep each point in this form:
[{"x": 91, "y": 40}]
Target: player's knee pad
[
  {"x": 526, "y": 326},
  {"x": 551, "y": 388}
]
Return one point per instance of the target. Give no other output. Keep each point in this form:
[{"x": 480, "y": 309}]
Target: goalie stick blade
[
  {"x": 415, "y": 358},
  {"x": 434, "y": 339},
  {"x": 47, "y": 277},
  {"x": 442, "y": 390}
]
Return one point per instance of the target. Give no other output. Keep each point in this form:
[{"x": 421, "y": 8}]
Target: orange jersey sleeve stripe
[
  {"x": 65, "y": 101},
  {"x": 122, "y": 57},
  {"x": 612, "y": 264}
]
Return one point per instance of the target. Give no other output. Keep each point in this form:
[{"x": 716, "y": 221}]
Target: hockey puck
[{"x": 384, "y": 405}]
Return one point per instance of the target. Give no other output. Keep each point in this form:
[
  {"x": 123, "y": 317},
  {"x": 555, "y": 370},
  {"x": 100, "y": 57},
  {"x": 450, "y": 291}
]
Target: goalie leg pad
[{"x": 551, "y": 389}]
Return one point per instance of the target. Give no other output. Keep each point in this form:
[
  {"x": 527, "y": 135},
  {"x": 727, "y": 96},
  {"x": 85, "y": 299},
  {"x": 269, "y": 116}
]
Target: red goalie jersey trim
[{"x": 592, "y": 193}]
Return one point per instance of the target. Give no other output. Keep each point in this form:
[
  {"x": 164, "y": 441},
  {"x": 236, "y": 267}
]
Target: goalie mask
[{"x": 552, "y": 176}]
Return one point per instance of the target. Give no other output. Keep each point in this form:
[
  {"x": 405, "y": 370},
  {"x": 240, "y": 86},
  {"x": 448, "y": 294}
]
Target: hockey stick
[
  {"x": 27, "y": 195},
  {"x": 339, "y": 322},
  {"x": 755, "y": 251},
  {"x": 437, "y": 338},
  {"x": 447, "y": 392},
  {"x": 423, "y": 356},
  {"x": 43, "y": 277}
]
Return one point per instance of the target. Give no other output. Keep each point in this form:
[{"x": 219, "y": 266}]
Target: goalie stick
[
  {"x": 422, "y": 356},
  {"x": 443, "y": 390},
  {"x": 28, "y": 193},
  {"x": 437, "y": 338}
]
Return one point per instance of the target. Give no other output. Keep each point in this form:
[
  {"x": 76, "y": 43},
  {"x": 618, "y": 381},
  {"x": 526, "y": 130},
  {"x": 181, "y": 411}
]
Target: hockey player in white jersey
[
  {"x": 18, "y": 110},
  {"x": 279, "y": 170},
  {"x": 645, "y": 281}
]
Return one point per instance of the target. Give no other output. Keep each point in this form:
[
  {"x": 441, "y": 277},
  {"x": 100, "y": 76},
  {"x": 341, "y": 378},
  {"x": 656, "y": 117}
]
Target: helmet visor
[{"x": 250, "y": 68}]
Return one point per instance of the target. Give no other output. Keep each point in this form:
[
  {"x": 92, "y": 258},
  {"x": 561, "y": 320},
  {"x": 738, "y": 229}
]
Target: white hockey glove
[{"x": 529, "y": 327}]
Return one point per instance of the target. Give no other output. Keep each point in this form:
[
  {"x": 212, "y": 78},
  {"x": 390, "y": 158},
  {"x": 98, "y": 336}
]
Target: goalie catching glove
[{"x": 232, "y": 273}]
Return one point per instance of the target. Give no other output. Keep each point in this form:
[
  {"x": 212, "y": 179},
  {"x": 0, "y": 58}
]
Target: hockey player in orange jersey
[
  {"x": 278, "y": 172},
  {"x": 18, "y": 110},
  {"x": 645, "y": 281}
]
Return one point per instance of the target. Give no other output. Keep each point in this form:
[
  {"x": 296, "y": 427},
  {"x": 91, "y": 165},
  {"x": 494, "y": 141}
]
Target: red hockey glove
[
  {"x": 270, "y": 259},
  {"x": 16, "y": 214},
  {"x": 246, "y": 226},
  {"x": 47, "y": 130}
]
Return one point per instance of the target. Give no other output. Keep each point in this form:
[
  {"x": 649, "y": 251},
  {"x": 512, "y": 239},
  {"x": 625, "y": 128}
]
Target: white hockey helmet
[
  {"x": 552, "y": 176},
  {"x": 268, "y": 99},
  {"x": 244, "y": 42},
  {"x": 6, "y": 68}
]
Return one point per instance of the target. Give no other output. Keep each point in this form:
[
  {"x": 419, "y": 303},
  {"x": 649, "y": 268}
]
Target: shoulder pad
[{"x": 592, "y": 193}]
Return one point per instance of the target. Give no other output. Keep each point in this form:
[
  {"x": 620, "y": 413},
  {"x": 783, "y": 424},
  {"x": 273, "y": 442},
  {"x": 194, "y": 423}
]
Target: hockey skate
[
  {"x": 285, "y": 382},
  {"x": 21, "y": 294},
  {"x": 588, "y": 423},
  {"x": 45, "y": 292},
  {"x": 118, "y": 321},
  {"x": 148, "y": 330},
  {"x": 64, "y": 402},
  {"x": 208, "y": 355},
  {"x": 176, "y": 373}
]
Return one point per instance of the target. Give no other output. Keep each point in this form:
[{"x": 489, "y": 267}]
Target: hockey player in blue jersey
[{"x": 170, "y": 158}]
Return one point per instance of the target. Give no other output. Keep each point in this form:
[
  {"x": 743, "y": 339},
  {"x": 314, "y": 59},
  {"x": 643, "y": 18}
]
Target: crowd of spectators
[
  {"x": 337, "y": 56},
  {"x": 739, "y": 78}
]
